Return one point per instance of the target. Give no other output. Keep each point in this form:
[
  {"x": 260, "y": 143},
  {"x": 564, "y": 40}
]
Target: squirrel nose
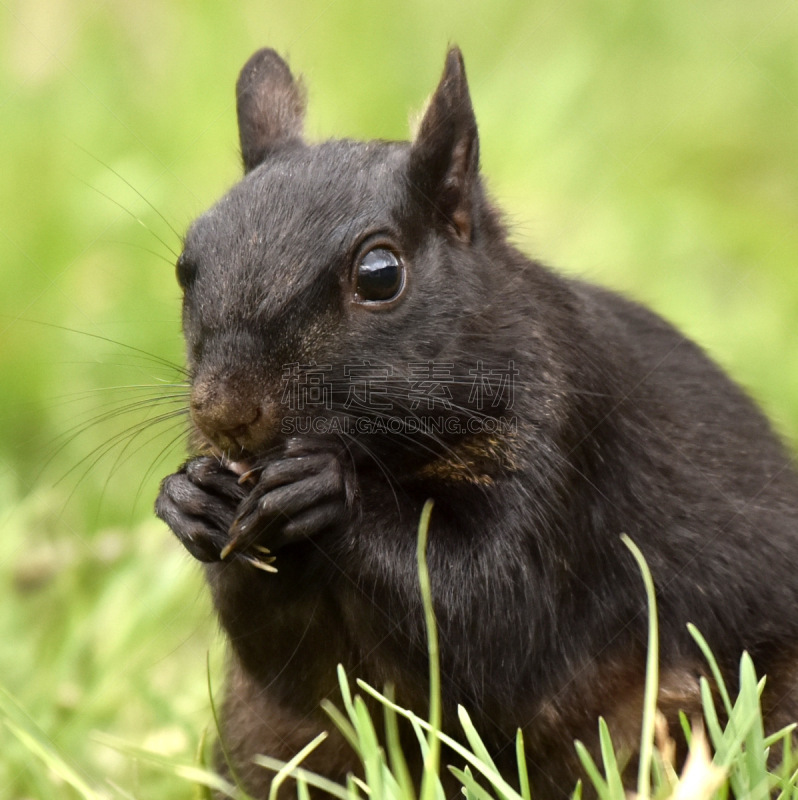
[
  {"x": 226, "y": 415},
  {"x": 232, "y": 418},
  {"x": 229, "y": 424}
]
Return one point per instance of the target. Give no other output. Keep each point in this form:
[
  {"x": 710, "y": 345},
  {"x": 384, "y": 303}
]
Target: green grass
[
  {"x": 648, "y": 146},
  {"x": 739, "y": 766}
]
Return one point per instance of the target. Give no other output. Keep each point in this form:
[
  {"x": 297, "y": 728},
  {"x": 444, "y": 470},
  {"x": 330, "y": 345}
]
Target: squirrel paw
[
  {"x": 199, "y": 503},
  {"x": 295, "y": 497}
]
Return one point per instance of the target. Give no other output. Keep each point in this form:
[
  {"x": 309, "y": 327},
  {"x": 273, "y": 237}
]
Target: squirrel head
[{"x": 330, "y": 256}]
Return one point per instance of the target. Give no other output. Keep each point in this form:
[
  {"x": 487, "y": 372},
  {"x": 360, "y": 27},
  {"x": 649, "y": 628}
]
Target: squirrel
[{"x": 361, "y": 337}]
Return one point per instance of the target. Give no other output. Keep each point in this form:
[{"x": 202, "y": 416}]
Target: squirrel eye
[
  {"x": 186, "y": 271},
  {"x": 380, "y": 276}
]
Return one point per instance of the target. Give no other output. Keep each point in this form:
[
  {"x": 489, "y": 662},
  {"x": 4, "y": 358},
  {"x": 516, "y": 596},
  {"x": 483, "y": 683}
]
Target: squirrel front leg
[
  {"x": 199, "y": 503},
  {"x": 298, "y": 494}
]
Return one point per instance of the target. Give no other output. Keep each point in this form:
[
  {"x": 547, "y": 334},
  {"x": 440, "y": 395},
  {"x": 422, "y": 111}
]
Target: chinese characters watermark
[{"x": 414, "y": 398}]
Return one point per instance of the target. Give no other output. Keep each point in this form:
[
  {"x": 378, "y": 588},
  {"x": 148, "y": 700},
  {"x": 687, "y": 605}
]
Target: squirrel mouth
[
  {"x": 237, "y": 459},
  {"x": 240, "y": 467},
  {"x": 246, "y": 470}
]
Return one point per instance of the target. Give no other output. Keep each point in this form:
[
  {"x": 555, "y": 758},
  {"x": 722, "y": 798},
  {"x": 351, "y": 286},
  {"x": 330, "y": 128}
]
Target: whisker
[
  {"x": 147, "y": 423},
  {"x": 129, "y": 185},
  {"x": 72, "y": 433},
  {"x": 137, "y": 246},
  {"x": 119, "y": 461},
  {"x": 181, "y": 370},
  {"x": 165, "y": 451},
  {"x": 127, "y": 211},
  {"x": 124, "y": 387},
  {"x": 141, "y": 392},
  {"x": 389, "y": 477},
  {"x": 99, "y": 452}
]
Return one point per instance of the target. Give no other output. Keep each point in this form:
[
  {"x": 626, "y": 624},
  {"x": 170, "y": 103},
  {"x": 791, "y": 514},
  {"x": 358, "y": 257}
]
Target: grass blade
[
  {"x": 652, "y": 677},
  {"x": 611, "y": 771},
  {"x": 589, "y": 765},
  {"x": 217, "y": 722},
  {"x": 452, "y": 744},
  {"x": 310, "y": 778},
  {"x": 285, "y": 771},
  {"x": 372, "y": 755},
  {"x": 19, "y": 722},
  {"x": 396, "y": 754},
  {"x": 523, "y": 774},
  {"x": 713, "y": 666},
  {"x": 474, "y": 739},
  {"x": 190, "y": 772},
  {"x": 472, "y": 788},
  {"x": 338, "y": 718},
  {"x": 433, "y": 756}
]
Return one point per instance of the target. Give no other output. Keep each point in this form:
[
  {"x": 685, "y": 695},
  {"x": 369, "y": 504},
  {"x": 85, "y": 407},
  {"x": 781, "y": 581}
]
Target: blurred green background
[{"x": 649, "y": 146}]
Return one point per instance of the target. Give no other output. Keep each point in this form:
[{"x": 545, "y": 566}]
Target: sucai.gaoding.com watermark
[{"x": 414, "y": 400}]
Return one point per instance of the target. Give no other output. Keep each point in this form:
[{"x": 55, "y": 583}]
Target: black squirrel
[{"x": 362, "y": 336}]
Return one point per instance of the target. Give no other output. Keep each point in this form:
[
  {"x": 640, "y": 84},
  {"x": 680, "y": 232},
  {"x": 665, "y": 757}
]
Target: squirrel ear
[
  {"x": 270, "y": 104},
  {"x": 444, "y": 158}
]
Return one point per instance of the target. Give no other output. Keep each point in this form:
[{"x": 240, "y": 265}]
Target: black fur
[{"x": 621, "y": 426}]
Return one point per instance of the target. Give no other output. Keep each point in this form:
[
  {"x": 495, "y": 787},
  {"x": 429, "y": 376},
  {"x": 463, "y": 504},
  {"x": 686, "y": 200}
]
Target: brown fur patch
[
  {"x": 614, "y": 691},
  {"x": 254, "y": 723},
  {"x": 475, "y": 460}
]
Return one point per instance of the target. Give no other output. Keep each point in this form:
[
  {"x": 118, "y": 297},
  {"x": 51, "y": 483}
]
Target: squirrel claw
[
  {"x": 246, "y": 477},
  {"x": 255, "y": 561},
  {"x": 262, "y": 564},
  {"x": 228, "y": 548},
  {"x": 237, "y": 530}
]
